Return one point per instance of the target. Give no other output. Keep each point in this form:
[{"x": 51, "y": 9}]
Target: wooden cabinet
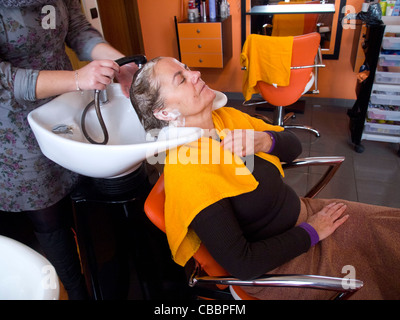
[
  {"x": 121, "y": 25},
  {"x": 205, "y": 44}
]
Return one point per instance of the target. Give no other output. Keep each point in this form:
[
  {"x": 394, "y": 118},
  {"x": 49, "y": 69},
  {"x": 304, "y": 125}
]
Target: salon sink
[
  {"x": 57, "y": 128},
  {"x": 25, "y": 274}
]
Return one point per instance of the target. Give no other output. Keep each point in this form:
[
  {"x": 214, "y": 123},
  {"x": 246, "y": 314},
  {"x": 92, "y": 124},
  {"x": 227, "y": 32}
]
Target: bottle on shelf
[
  {"x": 193, "y": 12},
  {"x": 224, "y": 9},
  {"x": 203, "y": 10},
  {"x": 212, "y": 9}
]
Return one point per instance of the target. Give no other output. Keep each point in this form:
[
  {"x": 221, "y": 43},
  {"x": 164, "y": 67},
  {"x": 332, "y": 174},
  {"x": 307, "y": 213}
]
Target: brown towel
[{"x": 369, "y": 241}]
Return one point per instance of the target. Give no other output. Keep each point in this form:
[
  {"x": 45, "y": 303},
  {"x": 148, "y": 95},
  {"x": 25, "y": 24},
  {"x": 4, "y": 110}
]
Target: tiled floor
[{"x": 370, "y": 177}]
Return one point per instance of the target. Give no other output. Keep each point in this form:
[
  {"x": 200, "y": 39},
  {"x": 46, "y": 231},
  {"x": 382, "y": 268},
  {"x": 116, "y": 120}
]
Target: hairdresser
[{"x": 34, "y": 68}]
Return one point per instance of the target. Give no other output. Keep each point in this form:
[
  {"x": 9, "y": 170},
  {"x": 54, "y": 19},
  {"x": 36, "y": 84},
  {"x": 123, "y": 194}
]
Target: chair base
[
  {"x": 280, "y": 120},
  {"x": 303, "y": 127}
]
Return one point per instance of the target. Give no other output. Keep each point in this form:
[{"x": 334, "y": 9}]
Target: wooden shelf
[{"x": 205, "y": 44}]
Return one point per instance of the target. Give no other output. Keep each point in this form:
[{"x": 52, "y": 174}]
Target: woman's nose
[{"x": 195, "y": 76}]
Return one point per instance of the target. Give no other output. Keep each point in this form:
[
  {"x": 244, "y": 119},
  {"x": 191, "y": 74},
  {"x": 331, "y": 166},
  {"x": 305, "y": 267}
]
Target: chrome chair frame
[
  {"x": 284, "y": 280},
  {"x": 333, "y": 164},
  {"x": 292, "y": 280}
]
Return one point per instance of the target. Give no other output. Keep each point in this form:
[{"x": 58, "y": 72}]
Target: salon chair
[
  {"x": 207, "y": 271},
  {"x": 306, "y": 59}
]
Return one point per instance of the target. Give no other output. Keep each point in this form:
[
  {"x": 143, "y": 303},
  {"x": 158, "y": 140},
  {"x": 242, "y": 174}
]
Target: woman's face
[{"x": 183, "y": 90}]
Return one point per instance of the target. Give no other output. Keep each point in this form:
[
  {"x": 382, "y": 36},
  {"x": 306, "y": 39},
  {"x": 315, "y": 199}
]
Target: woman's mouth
[{"x": 202, "y": 87}]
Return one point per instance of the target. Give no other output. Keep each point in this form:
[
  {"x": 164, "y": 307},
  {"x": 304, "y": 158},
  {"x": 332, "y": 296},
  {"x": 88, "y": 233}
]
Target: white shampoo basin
[
  {"x": 128, "y": 145},
  {"x": 25, "y": 274}
]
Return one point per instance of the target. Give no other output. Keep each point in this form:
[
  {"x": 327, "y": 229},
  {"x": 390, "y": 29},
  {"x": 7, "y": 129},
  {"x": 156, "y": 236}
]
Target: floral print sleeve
[
  {"x": 81, "y": 37},
  {"x": 28, "y": 180}
]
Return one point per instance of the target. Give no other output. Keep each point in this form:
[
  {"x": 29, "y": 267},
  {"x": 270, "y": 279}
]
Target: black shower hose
[{"x": 140, "y": 60}]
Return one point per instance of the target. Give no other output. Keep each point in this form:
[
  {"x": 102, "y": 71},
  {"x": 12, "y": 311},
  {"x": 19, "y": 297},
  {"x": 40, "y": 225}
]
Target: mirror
[{"x": 256, "y": 20}]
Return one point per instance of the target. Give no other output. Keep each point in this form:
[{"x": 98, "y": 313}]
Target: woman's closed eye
[
  {"x": 183, "y": 77},
  {"x": 180, "y": 76}
]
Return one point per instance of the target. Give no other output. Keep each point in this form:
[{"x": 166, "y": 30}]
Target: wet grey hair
[{"x": 145, "y": 96}]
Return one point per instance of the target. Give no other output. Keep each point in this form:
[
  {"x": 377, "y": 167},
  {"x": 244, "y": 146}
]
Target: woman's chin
[{"x": 211, "y": 93}]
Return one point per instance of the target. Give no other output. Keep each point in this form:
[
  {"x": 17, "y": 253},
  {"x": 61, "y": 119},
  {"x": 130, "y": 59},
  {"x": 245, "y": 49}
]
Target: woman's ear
[{"x": 165, "y": 115}]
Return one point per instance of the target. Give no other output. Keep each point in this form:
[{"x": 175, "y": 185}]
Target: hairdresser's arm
[
  {"x": 105, "y": 51},
  {"x": 96, "y": 75}
]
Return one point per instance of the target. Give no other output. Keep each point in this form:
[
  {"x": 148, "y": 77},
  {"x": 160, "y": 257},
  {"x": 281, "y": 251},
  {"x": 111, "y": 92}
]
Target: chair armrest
[
  {"x": 333, "y": 164},
  {"x": 290, "y": 280}
]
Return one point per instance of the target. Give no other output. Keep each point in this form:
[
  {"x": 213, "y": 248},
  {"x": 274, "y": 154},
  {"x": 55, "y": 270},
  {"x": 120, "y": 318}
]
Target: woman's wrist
[
  {"x": 272, "y": 141},
  {"x": 78, "y": 88},
  {"x": 52, "y": 83},
  {"x": 314, "y": 237}
]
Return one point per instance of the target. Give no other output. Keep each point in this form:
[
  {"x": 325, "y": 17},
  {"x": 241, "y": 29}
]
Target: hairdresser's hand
[
  {"x": 326, "y": 221},
  {"x": 125, "y": 76},
  {"x": 246, "y": 142},
  {"x": 97, "y": 74}
]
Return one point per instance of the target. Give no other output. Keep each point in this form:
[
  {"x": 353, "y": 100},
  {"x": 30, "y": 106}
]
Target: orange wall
[{"x": 336, "y": 80}]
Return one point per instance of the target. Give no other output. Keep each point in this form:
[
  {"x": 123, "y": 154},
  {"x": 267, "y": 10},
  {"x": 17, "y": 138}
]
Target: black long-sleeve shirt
[{"x": 253, "y": 233}]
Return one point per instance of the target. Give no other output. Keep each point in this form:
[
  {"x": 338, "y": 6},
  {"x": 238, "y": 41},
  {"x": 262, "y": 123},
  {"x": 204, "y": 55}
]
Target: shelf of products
[
  {"x": 383, "y": 114},
  {"x": 391, "y": 41},
  {"x": 292, "y": 8},
  {"x": 387, "y": 94},
  {"x": 389, "y": 60},
  {"x": 388, "y": 76}
]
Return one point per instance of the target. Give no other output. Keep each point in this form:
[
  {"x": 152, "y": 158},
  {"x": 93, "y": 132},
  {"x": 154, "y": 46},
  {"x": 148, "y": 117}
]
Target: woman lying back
[{"x": 227, "y": 191}]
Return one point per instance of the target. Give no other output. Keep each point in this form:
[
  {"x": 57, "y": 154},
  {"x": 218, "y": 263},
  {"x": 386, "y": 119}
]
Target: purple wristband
[
  {"x": 273, "y": 141},
  {"x": 311, "y": 232}
]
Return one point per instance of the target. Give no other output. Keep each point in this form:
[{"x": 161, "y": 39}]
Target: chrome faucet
[{"x": 103, "y": 97}]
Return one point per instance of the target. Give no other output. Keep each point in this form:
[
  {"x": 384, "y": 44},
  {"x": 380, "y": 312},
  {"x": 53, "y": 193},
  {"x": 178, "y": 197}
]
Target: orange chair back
[
  {"x": 154, "y": 209},
  {"x": 310, "y": 22},
  {"x": 305, "y": 48}
]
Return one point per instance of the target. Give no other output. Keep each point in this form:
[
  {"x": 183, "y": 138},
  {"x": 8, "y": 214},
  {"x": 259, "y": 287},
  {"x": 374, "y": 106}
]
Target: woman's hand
[
  {"x": 326, "y": 221},
  {"x": 125, "y": 77},
  {"x": 123, "y": 74},
  {"x": 97, "y": 74},
  {"x": 246, "y": 142}
]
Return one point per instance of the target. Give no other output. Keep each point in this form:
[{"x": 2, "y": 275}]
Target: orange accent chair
[
  {"x": 217, "y": 275},
  {"x": 303, "y": 75}
]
